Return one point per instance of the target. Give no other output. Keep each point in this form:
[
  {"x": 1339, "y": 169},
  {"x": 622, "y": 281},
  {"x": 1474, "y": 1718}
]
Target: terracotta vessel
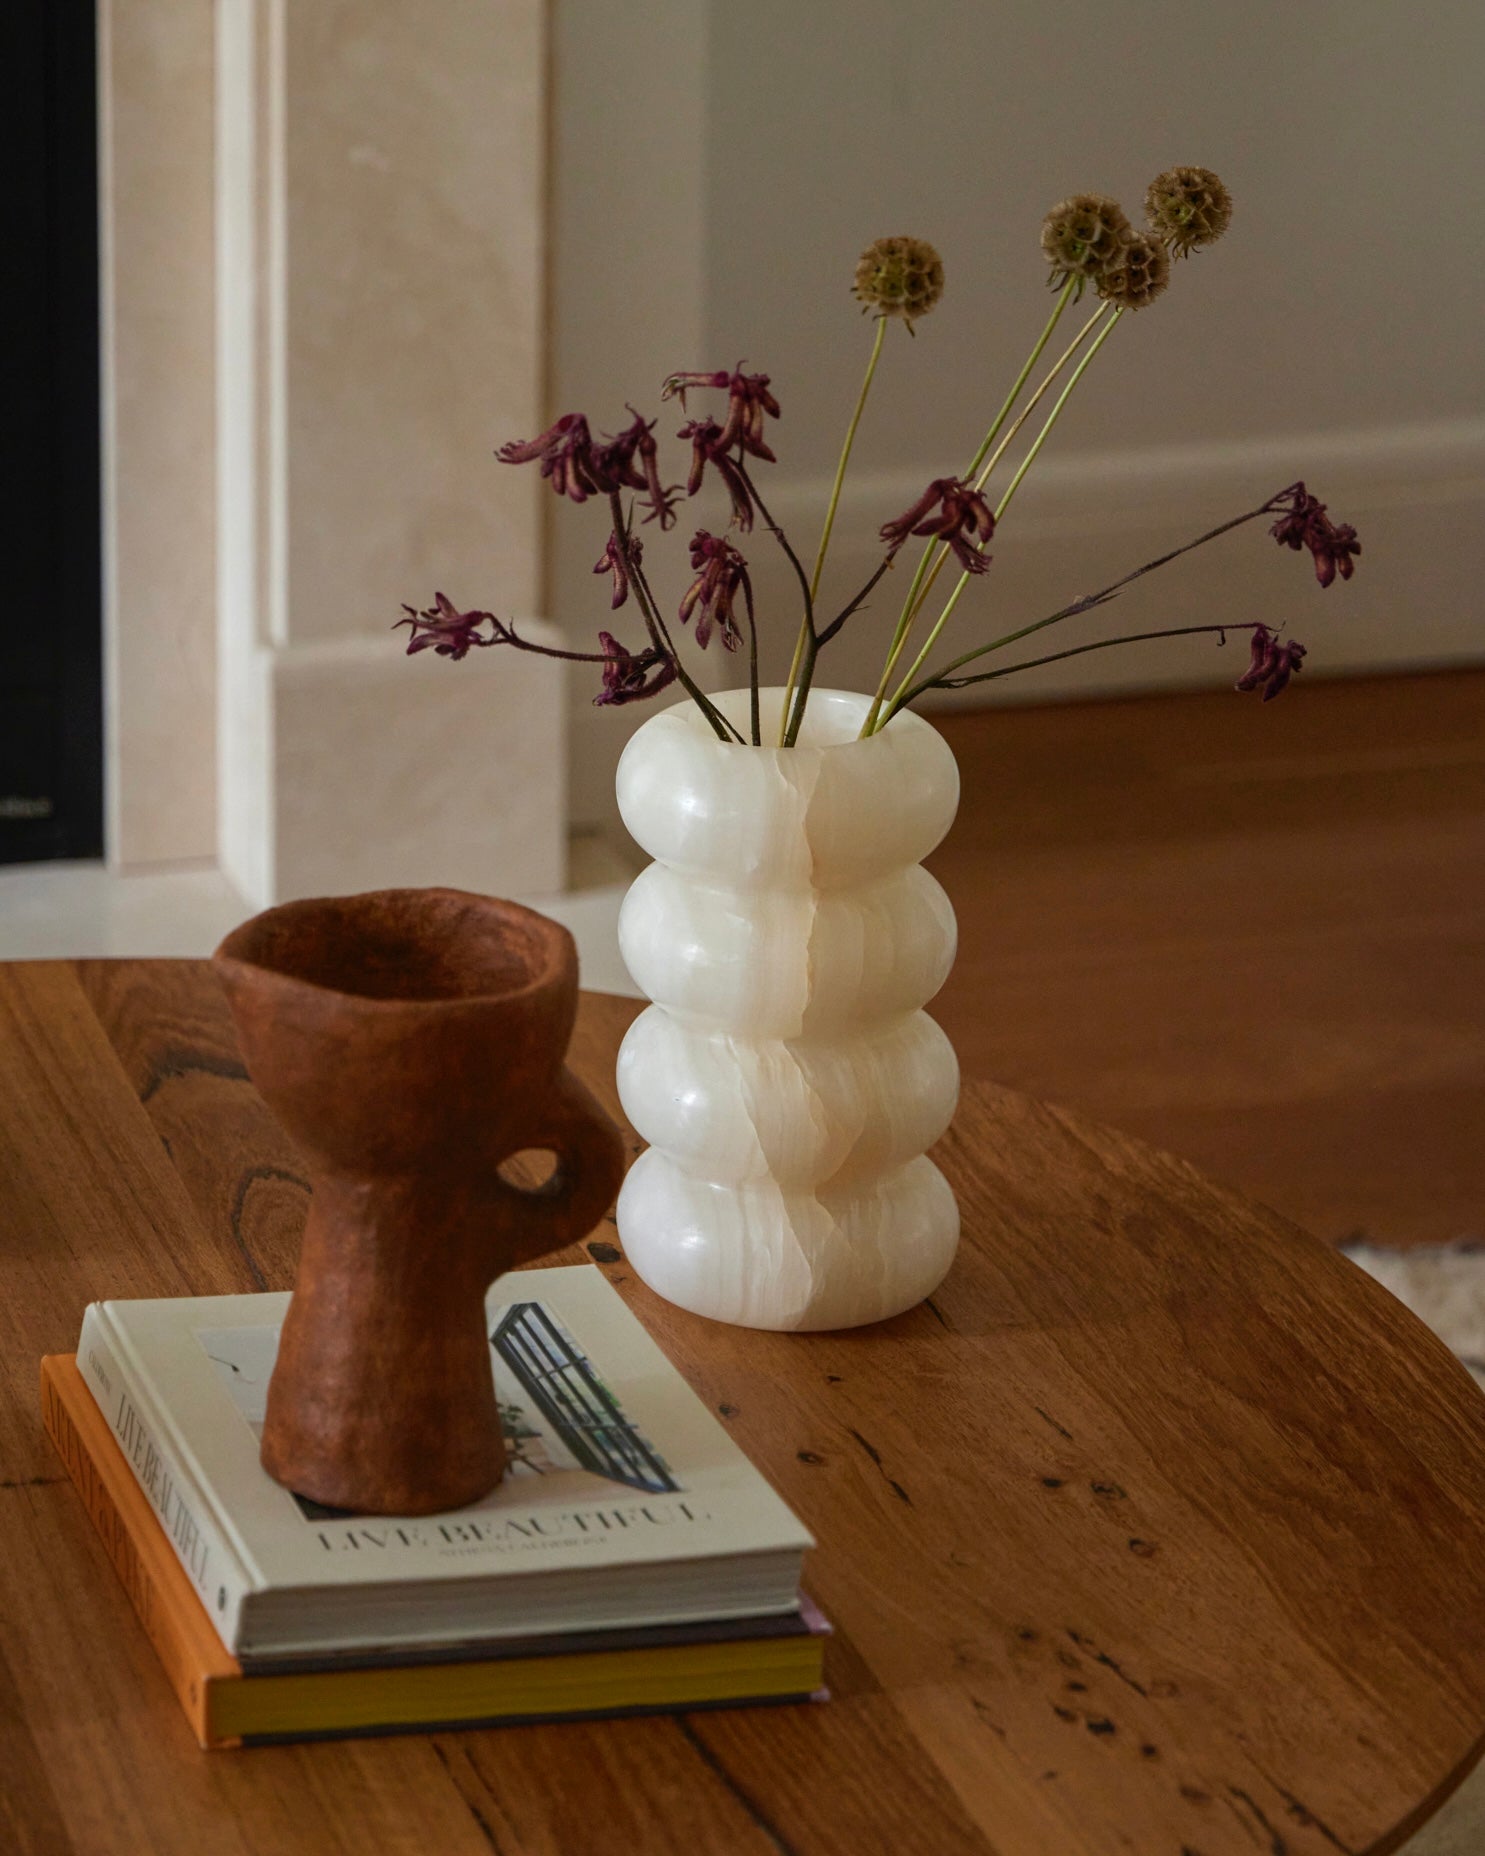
[{"x": 410, "y": 1041}]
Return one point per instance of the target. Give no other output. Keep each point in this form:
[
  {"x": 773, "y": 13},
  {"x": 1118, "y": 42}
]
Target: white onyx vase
[{"x": 785, "y": 1076}]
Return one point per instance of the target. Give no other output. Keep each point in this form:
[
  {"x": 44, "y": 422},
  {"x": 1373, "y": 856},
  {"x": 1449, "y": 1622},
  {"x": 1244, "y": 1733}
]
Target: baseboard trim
[
  {"x": 1393, "y": 466},
  {"x": 376, "y": 771}
]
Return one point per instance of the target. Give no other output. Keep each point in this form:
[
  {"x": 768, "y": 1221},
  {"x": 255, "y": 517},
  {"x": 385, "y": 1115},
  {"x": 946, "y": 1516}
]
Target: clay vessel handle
[{"x": 590, "y": 1166}]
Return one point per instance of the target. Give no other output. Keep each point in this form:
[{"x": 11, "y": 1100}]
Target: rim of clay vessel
[
  {"x": 846, "y": 710},
  {"x": 403, "y": 948}
]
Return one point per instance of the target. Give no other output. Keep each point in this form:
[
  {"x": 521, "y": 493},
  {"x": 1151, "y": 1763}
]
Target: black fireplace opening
[{"x": 51, "y": 635}]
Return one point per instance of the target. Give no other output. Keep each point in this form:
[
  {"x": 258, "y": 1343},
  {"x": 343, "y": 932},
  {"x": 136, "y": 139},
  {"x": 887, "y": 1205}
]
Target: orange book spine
[{"x": 190, "y": 1652}]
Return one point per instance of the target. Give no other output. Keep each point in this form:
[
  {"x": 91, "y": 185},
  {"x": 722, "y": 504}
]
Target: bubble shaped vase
[{"x": 786, "y": 1076}]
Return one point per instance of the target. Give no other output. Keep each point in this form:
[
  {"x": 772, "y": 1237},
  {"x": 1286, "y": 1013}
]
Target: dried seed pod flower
[
  {"x": 901, "y": 277},
  {"x": 1188, "y": 208},
  {"x": 1080, "y": 236},
  {"x": 1136, "y": 274}
]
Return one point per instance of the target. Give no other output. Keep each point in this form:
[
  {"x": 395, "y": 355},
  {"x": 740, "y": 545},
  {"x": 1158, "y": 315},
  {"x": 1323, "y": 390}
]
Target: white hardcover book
[{"x": 625, "y": 1502}]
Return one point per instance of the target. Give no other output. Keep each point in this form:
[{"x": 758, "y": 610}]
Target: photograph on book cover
[{"x": 559, "y": 1417}]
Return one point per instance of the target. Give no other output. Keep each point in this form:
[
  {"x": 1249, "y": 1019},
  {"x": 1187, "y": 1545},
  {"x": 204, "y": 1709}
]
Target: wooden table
[{"x": 1160, "y": 1529}]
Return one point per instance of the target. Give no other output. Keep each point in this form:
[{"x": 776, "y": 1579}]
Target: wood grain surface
[{"x": 1160, "y": 1529}]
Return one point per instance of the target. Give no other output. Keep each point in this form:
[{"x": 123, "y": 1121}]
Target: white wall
[
  {"x": 718, "y": 167},
  {"x": 627, "y": 292},
  {"x": 155, "y": 65}
]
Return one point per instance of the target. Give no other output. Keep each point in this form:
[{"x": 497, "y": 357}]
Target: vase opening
[{"x": 832, "y": 718}]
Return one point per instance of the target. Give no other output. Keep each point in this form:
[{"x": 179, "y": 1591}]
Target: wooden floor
[{"x": 1253, "y": 935}]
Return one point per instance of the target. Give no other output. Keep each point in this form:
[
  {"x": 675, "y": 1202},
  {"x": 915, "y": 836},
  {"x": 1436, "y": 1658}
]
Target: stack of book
[{"x": 632, "y": 1560}]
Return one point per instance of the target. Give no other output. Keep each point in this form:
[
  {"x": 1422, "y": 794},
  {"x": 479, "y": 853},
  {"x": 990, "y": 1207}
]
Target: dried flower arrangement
[{"x": 1087, "y": 240}]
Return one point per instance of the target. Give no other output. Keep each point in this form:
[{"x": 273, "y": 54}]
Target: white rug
[{"x": 1444, "y": 1287}]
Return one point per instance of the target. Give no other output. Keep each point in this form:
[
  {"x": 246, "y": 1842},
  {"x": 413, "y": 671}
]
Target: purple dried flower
[
  {"x": 613, "y": 461},
  {"x": 613, "y": 561},
  {"x": 445, "y": 629},
  {"x": 1273, "y": 663},
  {"x": 625, "y": 672},
  {"x": 615, "y": 467},
  {"x": 567, "y": 457},
  {"x": 579, "y": 468},
  {"x": 706, "y": 438},
  {"x": 748, "y": 400},
  {"x": 660, "y": 497},
  {"x": 677, "y": 386},
  {"x": 962, "y": 516},
  {"x": 727, "y": 446},
  {"x": 1304, "y": 524},
  {"x": 721, "y": 572},
  {"x": 703, "y": 435}
]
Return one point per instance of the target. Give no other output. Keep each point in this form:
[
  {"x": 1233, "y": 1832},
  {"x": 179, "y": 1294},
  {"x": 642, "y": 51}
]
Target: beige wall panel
[
  {"x": 158, "y": 307},
  {"x": 391, "y": 773},
  {"x": 414, "y": 239}
]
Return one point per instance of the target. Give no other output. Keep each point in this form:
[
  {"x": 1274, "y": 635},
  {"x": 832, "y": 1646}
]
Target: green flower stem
[
  {"x": 917, "y": 593},
  {"x": 1026, "y": 411},
  {"x": 1062, "y": 398},
  {"x": 917, "y": 600},
  {"x": 1048, "y": 380},
  {"x": 1041, "y": 438},
  {"x": 1064, "y": 297},
  {"x": 747, "y": 589},
  {"x": 899, "y": 638},
  {"x": 840, "y": 477},
  {"x": 845, "y": 456}
]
